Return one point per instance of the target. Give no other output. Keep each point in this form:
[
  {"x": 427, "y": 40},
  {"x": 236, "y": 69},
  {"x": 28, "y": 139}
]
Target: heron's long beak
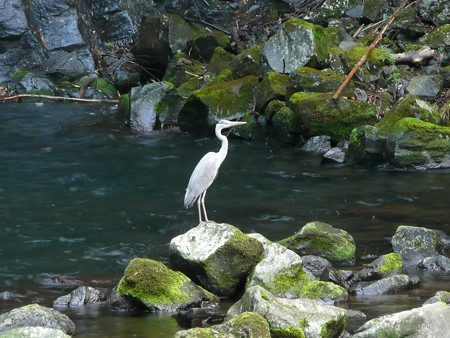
[{"x": 236, "y": 123}]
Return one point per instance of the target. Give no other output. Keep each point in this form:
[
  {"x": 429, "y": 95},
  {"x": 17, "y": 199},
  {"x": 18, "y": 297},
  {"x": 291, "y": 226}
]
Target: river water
[{"x": 80, "y": 196}]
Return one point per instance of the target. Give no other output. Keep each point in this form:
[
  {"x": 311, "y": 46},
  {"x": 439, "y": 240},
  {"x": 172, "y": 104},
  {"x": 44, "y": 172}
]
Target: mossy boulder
[
  {"x": 297, "y": 43},
  {"x": 184, "y": 73},
  {"x": 225, "y": 100},
  {"x": 300, "y": 317},
  {"x": 318, "y": 114},
  {"x": 202, "y": 48},
  {"x": 439, "y": 296},
  {"x": 307, "y": 79},
  {"x": 272, "y": 87},
  {"x": 366, "y": 145},
  {"x": 384, "y": 266},
  {"x": 415, "y": 243},
  {"x": 282, "y": 121},
  {"x": 34, "y": 315},
  {"x": 420, "y": 145},
  {"x": 246, "y": 63},
  {"x": 409, "y": 106},
  {"x": 162, "y": 36},
  {"x": 159, "y": 288},
  {"x": 321, "y": 239},
  {"x": 326, "y": 292},
  {"x": 438, "y": 38},
  {"x": 342, "y": 61},
  {"x": 280, "y": 272},
  {"x": 252, "y": 323},
  {"x": 218, "y": 256},
  {"x": 218, "y": 63},
  {"x": 34, "y": 332}
]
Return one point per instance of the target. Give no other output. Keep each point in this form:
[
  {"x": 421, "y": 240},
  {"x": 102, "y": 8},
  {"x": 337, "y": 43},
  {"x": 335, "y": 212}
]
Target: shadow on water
[{"x": 81, "y": 196}]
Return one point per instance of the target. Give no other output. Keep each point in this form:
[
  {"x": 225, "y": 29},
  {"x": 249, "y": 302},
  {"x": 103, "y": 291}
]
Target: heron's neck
[{"x": 224, "y": 148}]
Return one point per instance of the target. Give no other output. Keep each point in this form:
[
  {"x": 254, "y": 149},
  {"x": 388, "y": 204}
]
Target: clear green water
[{"x": 81, "y": 196}]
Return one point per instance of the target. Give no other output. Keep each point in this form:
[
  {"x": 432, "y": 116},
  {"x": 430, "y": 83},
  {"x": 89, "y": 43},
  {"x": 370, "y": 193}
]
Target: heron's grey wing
[{"x": 202, "y": 177}]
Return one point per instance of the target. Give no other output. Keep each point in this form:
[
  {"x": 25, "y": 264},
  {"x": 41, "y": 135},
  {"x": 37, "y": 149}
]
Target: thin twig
[
  {"x": 208, "y": 24},
  {"x": 368, "y": 51},
  {"x": 56, "y": 98}
]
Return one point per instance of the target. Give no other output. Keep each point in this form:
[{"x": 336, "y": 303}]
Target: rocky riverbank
[
  {"x": 274, "y": 64},
  {"x": 285, "y": 289}
]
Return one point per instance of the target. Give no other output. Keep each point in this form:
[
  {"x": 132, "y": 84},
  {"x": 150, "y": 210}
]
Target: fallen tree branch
[
  {"x": 368, "y": 51},
  {"x": 416, "y": 57},
  {"x": 56, "y": 98}
]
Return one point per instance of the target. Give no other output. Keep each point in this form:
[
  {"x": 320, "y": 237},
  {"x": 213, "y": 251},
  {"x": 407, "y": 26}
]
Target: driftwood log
[{"x": 416, "y": 57}]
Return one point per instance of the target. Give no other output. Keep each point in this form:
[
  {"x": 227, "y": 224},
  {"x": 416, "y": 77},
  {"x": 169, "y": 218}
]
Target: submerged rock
[
  {"x": 34, "y": 315},
  {"x": 321, "y": 239},
  {"x": 247, "y": 324},
  {"x": 428, "y": 321},
  {"x": 81, "y": 296},
  {"x": 159, "y": 288},
  {"x": 299, "y": 317},
  {"x": 435, "y": 263},
  {"x": 216, "y": 255},
  {"x": 385, "y": 286}
]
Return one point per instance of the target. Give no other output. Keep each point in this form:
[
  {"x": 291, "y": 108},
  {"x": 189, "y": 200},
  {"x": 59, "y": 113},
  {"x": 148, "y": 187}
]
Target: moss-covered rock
[
  {"x": 246, "y": 63},
  {"x": 327, "y": 292},
  {"x": 282, "y": 121},
  {"x": 217, "y": 255},
  {"x": 280, "y": 272},
  {"x": 219, "y": 62},
  {"x": 297, "y": 43},
  {"x": 319, "y": 114},
  {"x": 202, "y": 48},
  {"x": 384, "y": 266},
  {"x": 253, "y": 324},
  {"x": 307, "y": 79},
  {"x": 342, "y": 61},
  {"x": 439, "y": 296},
  {"x": 159, "y": 288},
  {"x": 438, "y": 38},
  {"x": 300, "y": 317},
  {"x": 321, "y": 239},
  {"x": 124, "y": 107},
  {"x": 415, "y": 243},
  {"x": 366, "y": 145},
  {"x": 34, "y": 332},
  {"x": 416, "y": 144},
  {"x": 225, "y": 100},
  {"x": 184, "y": 73},
  {"x": 272, "y": 87},
  {"x": 34, "y": 315}
]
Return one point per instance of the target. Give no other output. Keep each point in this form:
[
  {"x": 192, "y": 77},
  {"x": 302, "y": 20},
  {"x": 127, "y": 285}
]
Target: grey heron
[{"x": 206, "y": 171}]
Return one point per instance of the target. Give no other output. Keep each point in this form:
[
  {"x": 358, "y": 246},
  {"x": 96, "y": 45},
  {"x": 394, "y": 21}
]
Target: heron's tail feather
[{"x": 189, "y": 199}]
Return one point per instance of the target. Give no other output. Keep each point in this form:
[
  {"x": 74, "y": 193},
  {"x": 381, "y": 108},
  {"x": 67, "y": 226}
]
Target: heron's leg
[
  {"x": 203, "y": 204},
  {"x": 199, "y": 208}
]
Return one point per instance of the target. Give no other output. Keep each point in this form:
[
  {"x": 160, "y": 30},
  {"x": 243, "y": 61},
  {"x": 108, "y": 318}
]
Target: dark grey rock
[
  {"x": 80, "y": 296},
  {"x": 36, "y": 315},
  {"x": 436, "y": 11},
  {"x": 69, "y": 64},
  {"x": 58, "y": 23},
  {"x": 416, "y": 243},
  {"x": 57, "y": 281},
  {"x": 385, "y": 286},
  {"x": 425, "y": 86},
  {"x": 322, "y": 269},
  {"x": 384, "y": 266},
  {"x": 13, "y": 22},
  {"x": 435, "y": 263}
]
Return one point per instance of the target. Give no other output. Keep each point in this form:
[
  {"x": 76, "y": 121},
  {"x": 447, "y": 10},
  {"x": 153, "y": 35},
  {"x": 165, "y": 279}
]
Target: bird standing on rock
[{"x": 206, "y": 171}]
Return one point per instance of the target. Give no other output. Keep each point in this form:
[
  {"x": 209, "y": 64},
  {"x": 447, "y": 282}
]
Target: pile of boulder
[{"x": 297, "y": 287}]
